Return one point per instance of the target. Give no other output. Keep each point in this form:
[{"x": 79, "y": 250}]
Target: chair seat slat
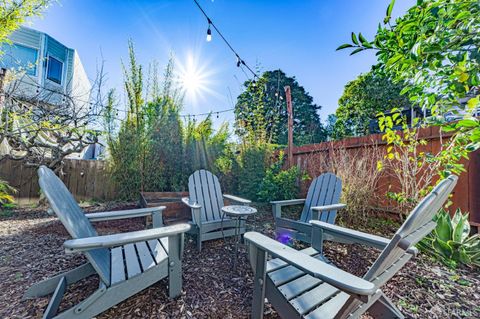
[
  {"x": 157, "y": 250},
  {"x": 118, "y": 267},
  {"x": 312, "y": 298},
  {"x": 330, "y": 308},
  {"x": 133, "y": 266},
  {"x": 144, "y": 255},
  {"x": 298, "y": 286}
]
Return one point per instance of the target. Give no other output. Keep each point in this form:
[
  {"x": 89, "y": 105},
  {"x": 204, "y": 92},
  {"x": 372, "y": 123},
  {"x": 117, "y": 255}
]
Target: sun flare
[{"x": 194, "y": 79}]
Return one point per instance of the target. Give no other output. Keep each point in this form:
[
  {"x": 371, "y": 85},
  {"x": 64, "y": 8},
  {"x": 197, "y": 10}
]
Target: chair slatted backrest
[
  {"x": 418, "y": 224},
  {"x": 204, "y": 189},
  {"x": 324, "y": 190},
  {"x": 73, "y": 219}
]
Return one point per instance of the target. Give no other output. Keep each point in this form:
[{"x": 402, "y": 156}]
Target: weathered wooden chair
[
  {"x": 322, "y": 203},
  {"x": 303, "y": 284},
  {"x": 126, "y": 263},
  {"x": 206, "y": 201}
]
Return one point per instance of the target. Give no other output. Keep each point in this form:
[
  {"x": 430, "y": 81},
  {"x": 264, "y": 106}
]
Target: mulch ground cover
[{"x": 31, "y": 250}]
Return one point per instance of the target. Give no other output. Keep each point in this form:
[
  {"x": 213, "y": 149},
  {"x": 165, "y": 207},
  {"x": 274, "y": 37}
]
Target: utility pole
[
  {"x": 288, "y": 95},
  {"x": 3, "y": 72}
]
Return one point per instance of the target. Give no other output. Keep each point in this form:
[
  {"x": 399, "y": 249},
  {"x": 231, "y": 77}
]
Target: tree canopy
[
  {"x": 362, "y": 99},
  {"x": 14, "y": 12},
  {"x": 261, "y": 111},
  {"x": 434, "y": 49}
]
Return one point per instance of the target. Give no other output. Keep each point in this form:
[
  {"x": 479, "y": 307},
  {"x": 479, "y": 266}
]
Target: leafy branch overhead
[{"x": 434, "y": 50}]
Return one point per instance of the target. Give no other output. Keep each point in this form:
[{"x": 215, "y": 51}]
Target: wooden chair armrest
[
  {"x": 106, "y": 241},
  {"x": 288, "y": 202},
  {"x": 346, "y": 235},
  {"x": 332, "y": 232},
  {"x": 124, "y": 214},
  {"x": 334, "y": 276},
  {"x": 328, "y": 207},
  {"x": 186, "y": 201},
  {"x": 277, "y": 205},
  {"x": 237, "y": 199}
]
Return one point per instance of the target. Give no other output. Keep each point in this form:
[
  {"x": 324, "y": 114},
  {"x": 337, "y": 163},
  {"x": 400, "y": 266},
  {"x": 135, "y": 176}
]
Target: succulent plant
[{"x": 451, "y": 242}]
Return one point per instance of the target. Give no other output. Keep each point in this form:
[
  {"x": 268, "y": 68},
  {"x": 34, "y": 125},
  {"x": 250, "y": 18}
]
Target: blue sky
[{"x": 299, "y": 37}]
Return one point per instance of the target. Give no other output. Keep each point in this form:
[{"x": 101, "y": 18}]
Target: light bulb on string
[{"x": 209, "y": 31}]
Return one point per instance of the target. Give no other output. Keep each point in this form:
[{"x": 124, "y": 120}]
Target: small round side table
[{"x": 239, "y": 213}]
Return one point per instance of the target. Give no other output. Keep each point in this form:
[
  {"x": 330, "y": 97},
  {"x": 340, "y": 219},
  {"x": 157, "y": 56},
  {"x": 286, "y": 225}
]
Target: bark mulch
[{"x": 31, "y": 250}]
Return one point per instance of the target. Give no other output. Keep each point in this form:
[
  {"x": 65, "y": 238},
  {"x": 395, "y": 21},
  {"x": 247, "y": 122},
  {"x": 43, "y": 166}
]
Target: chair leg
[
  {"x": 56, "y": 299},
  {"x": 174, "y": 266},
  {"x": 259, "y": 283},
  {"x": 48, "y": 286},
  {"x": 199, "y": 241},
  {"x": 106, "y": 297}
]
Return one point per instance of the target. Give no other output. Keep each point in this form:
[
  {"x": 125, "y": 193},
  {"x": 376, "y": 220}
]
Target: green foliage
[
  {"x": 153, "y": 150},
  {"x": 434, "y": 50},
  {"x": 279, "y": 184},
  {"x": 261, "y": 111},
  {"x": 406, "y": 160},
  {"x": 451, "y": 242},
  {"x": 251, "y": 169},
  {"x": 13, "y": 13},
  {"x": 362, "y": 99},
  {"x": 6, "y": 191}
]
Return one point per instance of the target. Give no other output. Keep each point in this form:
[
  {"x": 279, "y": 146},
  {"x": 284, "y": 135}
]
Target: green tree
[
  {"x": 261, "y": 111},
  {"x": 434, "y": 49},
  {"x": 362, "y": 99},
  {"x": 13, "y": 13}
]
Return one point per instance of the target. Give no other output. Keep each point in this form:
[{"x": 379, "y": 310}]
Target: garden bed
[
  {"x": 31, "y": 250},
  {"x": 175, "y": 211}
]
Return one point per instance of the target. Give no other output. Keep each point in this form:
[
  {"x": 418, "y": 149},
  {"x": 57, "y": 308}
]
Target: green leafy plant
[
  {"x": 279, "y": 183},
  {"x": 251, "y": 167},
  {"x": 451, "y": 242},
  {"x": 6, "y": 198},
  {"x": 407, "y": 160},
  {"x": 434, "y": 50}
]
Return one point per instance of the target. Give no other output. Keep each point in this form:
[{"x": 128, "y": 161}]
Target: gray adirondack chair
[
  {"x": 126, "y": 263},
  {"x": 321, "y": 203},
  {"x": 303, "y": 284},
  {"x": 206, "y": 201}
]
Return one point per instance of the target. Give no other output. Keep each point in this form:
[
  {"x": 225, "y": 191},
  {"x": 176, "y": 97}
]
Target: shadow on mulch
[{"x": 31, "y": 250}]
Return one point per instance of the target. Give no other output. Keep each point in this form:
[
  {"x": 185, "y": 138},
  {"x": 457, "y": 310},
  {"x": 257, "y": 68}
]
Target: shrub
[
  {"x": 6, "y": 199},
  {"x": 279, "y": 184},
  {"x": 407, "y": 160},
  {"x": 450, "y": 241},
  {"x": 251, "y": 169}
]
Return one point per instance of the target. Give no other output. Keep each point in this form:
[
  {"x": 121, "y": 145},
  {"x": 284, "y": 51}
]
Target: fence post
[{"x": 288, "y": 96}]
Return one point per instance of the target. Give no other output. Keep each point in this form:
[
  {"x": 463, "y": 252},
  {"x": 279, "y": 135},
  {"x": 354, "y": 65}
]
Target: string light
[
  {"x": 240, "y": 61},
  {"x": 209, "y": 31}
]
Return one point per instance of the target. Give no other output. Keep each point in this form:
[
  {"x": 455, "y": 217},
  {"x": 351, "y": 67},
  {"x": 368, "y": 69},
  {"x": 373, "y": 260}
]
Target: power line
[{"x": 240, "y": 61}]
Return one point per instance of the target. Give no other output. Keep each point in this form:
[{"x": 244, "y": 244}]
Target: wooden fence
[
  {"x": 86, "y": 179},
  {"x": 466, "y": 194}
]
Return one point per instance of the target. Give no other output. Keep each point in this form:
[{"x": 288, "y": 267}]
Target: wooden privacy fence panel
[
  {"x": 86, "y": 179},
  {"x": 466, "y": 194}
]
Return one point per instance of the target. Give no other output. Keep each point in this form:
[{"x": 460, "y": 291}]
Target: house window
[
  {"x": 19, "y": 57},
  {"x": 54, "y": 70}
]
